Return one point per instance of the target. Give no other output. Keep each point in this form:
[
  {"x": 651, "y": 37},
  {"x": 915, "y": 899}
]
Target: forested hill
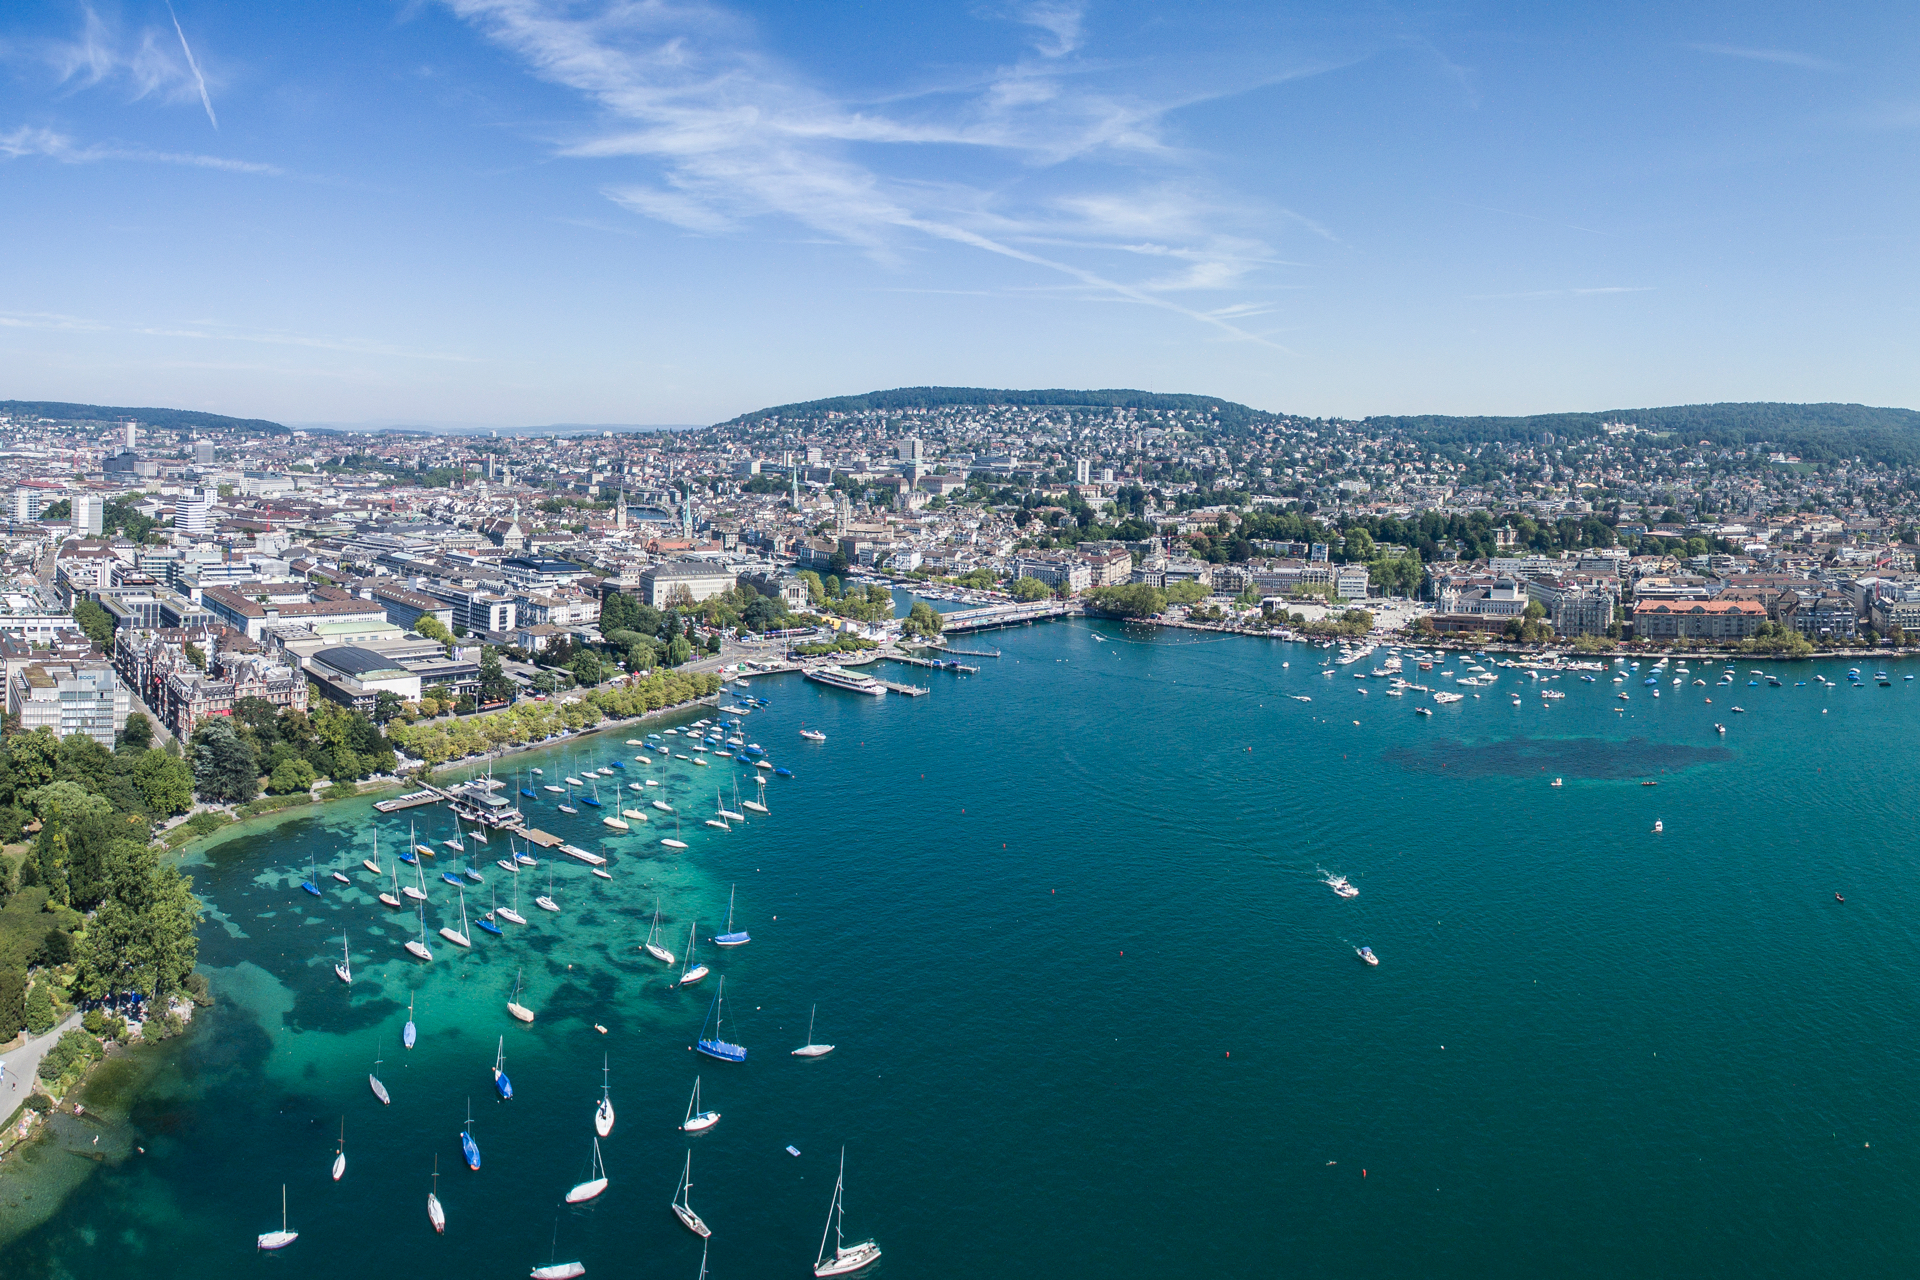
[
  {"x": 1228, "y": 413},
  {"x": 1814, "y": 432},
  {"x": 171, "y": 419}
]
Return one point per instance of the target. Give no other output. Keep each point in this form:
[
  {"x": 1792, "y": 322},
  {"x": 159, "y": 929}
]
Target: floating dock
[
  {"x": 910, "y": 690},
  {"x": 413, "y": 800},
  {"x": 536, "y": 836}
]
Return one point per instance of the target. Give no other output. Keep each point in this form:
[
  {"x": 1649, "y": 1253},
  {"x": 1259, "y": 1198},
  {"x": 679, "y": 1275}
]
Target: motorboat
[{"x": 1366, "y": 953}]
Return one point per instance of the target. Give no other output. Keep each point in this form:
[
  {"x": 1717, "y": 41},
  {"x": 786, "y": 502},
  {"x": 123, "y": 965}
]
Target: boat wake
[{"x": 1338, "y": 884}]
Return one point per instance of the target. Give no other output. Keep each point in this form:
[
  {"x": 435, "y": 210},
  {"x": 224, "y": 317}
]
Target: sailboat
[
  {"x": 418, "y": 946},
  {"x": 844, "y": 1260},
  {"x": 566, "y": 806},
  {"x": 413, "y": 838},
  {"x": 545, "y": 901},
  {"x": 373, "y": 864},
  {"x": 514, "y": 1006},
  {"x": 558, "y": 1270},
  {"x": 344, "y": 970},
  {"x": 760, "y": 805},
  {"x": 683, "y": 1210},
  {"x": 468, "y": 1147},
  {"x": 417, "y": 893},
  {"x": 486, "y": 921},
  {"x": 618, "y": 824},
  {"x": 810, "y": 1049},
  {"x": 651, "y": 947},
  {"x": 603, "y": 1113},
  {"x": 512, "y": 914},
  {"x": 698, "y": 1121},
  {"x": 393, "y": 899},
  {"x": 501, "y": 1084},
  {"x": 528, "y": 793},
  {"x": 593, "y": 799},
  {"x": 341, "y": 876},
  {"x": 409, "y": 1033},
  {"x": 729, "y": 814},
  {"x": 435, "y": 1214},
  {"x": 512, "y": 859},
  {"x": 730, "y": 938},
  {"x": 470, "y": 873},
  {"x": 373, "y": 1078},
  {"x": 456, "y": 844},
  {"x": 582, "y": 1192},
  {"x": 309, "y": 884},
  {"x": 459, "y": 939},
  {"x": 280, "y": 1239},
  {"x": 690, "y": 972},
  {"x": 340, "y": 1157},
  {"x": 674, "y": 841},
  {"x": 716, "y": 1046}
]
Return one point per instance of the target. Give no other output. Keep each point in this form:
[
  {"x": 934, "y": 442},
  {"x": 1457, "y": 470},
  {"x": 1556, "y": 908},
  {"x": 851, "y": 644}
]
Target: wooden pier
[
  {"x": 910, "y": 690},
  {"x": 412, "y": 800},
  {"x": 931, "y": 665}
]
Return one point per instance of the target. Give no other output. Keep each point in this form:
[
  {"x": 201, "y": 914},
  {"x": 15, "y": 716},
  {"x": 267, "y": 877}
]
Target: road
[{"x": 22, "y": 1063}]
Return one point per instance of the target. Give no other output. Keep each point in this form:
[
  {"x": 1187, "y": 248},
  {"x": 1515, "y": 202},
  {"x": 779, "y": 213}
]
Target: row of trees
[{"x": 437, "y": 743}]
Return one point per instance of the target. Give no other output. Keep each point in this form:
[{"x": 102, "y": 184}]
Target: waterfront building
[
  {"x": 1697, "y": 619},
  {"x": 83, "y": 696}
]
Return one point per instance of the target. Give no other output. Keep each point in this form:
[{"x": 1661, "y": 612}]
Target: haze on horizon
[{"x": 532, "y": 211}]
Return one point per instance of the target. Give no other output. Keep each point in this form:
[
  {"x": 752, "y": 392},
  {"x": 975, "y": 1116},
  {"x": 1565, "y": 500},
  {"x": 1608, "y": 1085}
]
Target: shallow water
[{"x": 1095, "y": 1008}]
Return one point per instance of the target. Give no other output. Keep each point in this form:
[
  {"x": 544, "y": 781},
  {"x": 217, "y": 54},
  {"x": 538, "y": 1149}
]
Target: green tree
[
  {"x": 431, "y": 628},
  {"x": 817, "y": 591},
  {"x": 138, "y": 734},
  {"x": 1029, "y": 588},
  {"x": 386, "y": 705},
  {"x": 225, "y": 769},
  {"x": 679, "y": 651},
  {"x": 196, "y": 655},
  {"x": 1186, "y": 593},
  {"x": 1131, "y": 600},
  {"x": 165, "y": 783},
  {"x": 495, "y": 686},
  {"x": 40, "y": 1015},
  {"x": 142, "y": 937},
  {"x": 13, "y": 1000},
  {"x": 620, "y": 612},
  {"x": 291, "y": 776},
  {"x": 922, "y": 620},
  {"x": 642, "y": 657},
  {"x": 1359, "y": 545},
  {"x": 586, "y": 668},
  {"x": 61, "y": 510},
  {"x": 96, "y": 622}
]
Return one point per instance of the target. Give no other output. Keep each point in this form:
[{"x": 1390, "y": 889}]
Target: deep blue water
[{"x": 1097, "y": 1012}]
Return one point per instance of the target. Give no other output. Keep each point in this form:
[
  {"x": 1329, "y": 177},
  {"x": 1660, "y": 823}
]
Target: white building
[
  {"x": 89, "y": 510},
  {"x": 660, "y": 584},
  {"x": 193, "y": 513},
  {"x": 70, "y": 697}
]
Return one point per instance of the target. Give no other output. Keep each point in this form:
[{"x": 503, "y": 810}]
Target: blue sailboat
[
  {"x": 716, "y": 1046},
  {"x": 309, "y": 883},
  {"x": 501, "y": 1084},
  {"x": 486, "y": 921},
  {"x": 527, "y": 790},
  {"x": 730, "y": 938},
  {"x": 450, "y": 878},
  {"x": 468, "y": 1147}
]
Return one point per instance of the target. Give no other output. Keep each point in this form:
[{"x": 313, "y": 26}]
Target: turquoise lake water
[{"x": 1097, "y": 1012}]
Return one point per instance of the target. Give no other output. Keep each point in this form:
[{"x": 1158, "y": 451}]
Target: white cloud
[
  {"x": 732, "y": 134},
  {"x": 143, "y": 63},
  {"x": 1783, "y": 57},
  {"x": 28, "y": 141}
]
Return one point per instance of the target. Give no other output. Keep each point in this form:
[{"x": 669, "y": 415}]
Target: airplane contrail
[{"x": 194, "y": 66}]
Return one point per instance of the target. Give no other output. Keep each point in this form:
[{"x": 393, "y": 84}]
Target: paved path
[{"x": 22, "y": 1063}]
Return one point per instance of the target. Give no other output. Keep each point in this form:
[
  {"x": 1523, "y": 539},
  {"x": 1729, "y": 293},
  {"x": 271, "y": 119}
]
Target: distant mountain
[
  {"x": 172, "y": 419},
  {"x": 1814, "y": 432},
  {"x": 1229, "y": 413}
]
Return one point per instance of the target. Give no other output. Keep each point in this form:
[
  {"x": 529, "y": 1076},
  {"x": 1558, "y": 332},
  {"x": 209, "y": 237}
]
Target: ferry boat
[{"x": 851, "y": 681}]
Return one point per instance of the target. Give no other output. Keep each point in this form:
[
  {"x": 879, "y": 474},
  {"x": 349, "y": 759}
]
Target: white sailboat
[
  {"x": 418, "y": 946},
  {"x": 460, "y": 938},
  {"x": 340, "y": 1156},
  {"x": 698, "y": 1121},
  {"x": 690, "y": 972},
  {"x": 844, "y": 1260},
  {"x": 682, "y": 1209},
  {"x": 393, "y": 899},
  {"x": 810, "y": 1049},
  {"x": 282, "y": 1238},
  {"x": 418, "y": 894},
  {"x": 512, "y": 914},
  {"x": 373, "y": 1079},
  {"x": 674, "y": 841},
  {"x": 651, "y": 947},
  {"x": 593, "y": 1186},
  {"x": 729, "y": 814},
  {"x": 545, "y": 901},
  {"x": 435, "y": 1214},
  {"x": 344, "y": 970},
  {"x": 760, "y": 805},
  {"x": 603, "y": 1114},
  {"x": 514, "y": 1006}
]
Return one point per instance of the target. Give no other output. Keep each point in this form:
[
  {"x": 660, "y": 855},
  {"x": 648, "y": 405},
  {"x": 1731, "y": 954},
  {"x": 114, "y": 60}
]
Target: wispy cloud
[
  {"x": 1784, "y": 57},
  {"x": 1531, "y": 294},
  {"x": 208, "y": 331},
  {"x": 199, "y": 80},
  {"x": 28, "y": 141},
  {"x": 141, "y": 63},
  {"x": 730, "y": 135}
]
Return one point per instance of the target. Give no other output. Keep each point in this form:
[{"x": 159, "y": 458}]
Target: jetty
[
  {"x": 909, "y": 690},
  {"x": 535, "y": 835},
  {"x": 412, "y": 800},
  {"x": 932, "y": 664}
]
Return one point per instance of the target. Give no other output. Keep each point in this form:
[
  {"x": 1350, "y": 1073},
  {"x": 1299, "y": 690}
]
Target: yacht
[{"x": 851, "y": 681}]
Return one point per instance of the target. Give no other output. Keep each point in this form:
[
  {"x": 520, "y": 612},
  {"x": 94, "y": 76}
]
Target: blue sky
[{"x": 531, "y": 211}]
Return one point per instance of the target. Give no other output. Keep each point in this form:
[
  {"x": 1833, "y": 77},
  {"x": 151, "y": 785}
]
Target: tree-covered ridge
[
  {"x": 1226, "y": 411},
  {"x": 1815, "y": 432},
  {"x": 170, "y": 419}
]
